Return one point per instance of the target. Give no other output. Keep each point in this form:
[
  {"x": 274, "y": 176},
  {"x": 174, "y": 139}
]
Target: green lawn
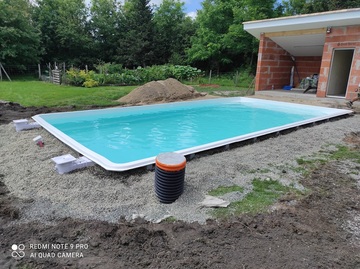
[{"x": 38, "y": 93}]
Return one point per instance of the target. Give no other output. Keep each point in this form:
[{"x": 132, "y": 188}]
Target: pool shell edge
[{"x": 120, "y": 167}]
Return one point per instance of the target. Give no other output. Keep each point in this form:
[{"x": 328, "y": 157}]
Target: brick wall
[
  {"x": 273, "y": 67},
  {"x": 275, "y": 63},
  {"x": 341, "y": 37},
  {"x": 306, "y": 66}
]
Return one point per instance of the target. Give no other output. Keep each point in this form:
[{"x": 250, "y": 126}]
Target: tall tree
[
  {"x": 136, "y": 48},
  {"x": 19, "y": 38},
  {"x": 65, "y": 30},
  {"x": 46, "y": 16},
  {"x": 295, "y": 7},
  {"x": 73, "y": 31},
  {"x": 220, "y": 40},
  {"x": 173, "y": 31},
  {"x": 240, "y": 44},
  {"x": 213, "y": 22},
  {"x": 106, "y": 28}
]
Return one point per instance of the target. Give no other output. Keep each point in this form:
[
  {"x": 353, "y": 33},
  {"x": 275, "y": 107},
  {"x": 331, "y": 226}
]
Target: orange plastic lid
[{"x": 170, "y": 161}]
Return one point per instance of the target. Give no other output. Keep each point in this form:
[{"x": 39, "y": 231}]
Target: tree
[
  {"x": 295, "y": 7},
  {"x": 213, "y": 22},
  {"x": 220, "y": 40},
  {"x": 73, "y": 32},
  {"x": 136, "y": 47},
  {"x": 106, "y": 27},
  {"x": 173, "y": 31},
  {"x": 239, "y": 43},
  {"x": 46, "y": 16},
  {"x": 19, "y": 38},
  {"x": 65, "y": 30}
]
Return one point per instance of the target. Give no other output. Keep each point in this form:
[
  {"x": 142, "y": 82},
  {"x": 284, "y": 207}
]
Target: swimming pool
[{"x": 124, "y": 138}]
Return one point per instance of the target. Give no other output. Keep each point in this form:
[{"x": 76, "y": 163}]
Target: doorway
[{"x": 339, "y": 72}]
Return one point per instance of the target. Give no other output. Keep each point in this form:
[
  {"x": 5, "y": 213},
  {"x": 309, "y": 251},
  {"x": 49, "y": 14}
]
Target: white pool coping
[{"x": 111, "y": 166}]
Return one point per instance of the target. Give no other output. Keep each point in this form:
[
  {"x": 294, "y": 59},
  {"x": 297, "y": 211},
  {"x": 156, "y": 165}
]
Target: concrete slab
[{"x": 297, "y": 96}]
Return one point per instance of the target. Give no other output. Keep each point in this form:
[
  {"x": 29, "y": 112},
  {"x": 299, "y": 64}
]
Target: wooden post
[
  {"x": 2, "y": 67},
  {"x": 39, "y": 69},
  {"x": 86, "y": 68},
  {"x": 210, "y": 76}
]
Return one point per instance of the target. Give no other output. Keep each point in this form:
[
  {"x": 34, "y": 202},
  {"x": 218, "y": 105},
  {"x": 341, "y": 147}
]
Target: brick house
[{"x": 327, "y": 44}]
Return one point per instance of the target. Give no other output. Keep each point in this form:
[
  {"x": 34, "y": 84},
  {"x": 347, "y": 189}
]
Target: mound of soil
[{"x": 160, "y": 91}]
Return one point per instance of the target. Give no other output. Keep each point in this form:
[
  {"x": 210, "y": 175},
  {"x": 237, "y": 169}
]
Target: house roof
[{"x": 303, "y": 35}]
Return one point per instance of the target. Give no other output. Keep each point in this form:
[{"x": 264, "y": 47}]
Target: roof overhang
[{"x": 303, "y": 35}]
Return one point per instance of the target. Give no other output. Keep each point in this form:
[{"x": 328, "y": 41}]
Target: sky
[{"x": 191, "y": 6}]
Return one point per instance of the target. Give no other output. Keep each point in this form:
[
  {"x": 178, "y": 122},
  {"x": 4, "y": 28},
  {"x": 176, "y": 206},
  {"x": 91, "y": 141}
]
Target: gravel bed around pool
[{"x": 94, "y": 193}]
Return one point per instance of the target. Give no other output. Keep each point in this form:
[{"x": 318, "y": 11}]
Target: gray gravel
[{"x": 94, "y": 193}]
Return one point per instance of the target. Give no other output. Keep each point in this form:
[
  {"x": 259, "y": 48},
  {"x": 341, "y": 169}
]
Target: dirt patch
[
  {"x": 8, "y": 211},
  {"x": 10, "y": 111},
  {"x": 353, "y": 138},
  {"x": 309, "y": 234},
  {"x": 169, "y": 90}
]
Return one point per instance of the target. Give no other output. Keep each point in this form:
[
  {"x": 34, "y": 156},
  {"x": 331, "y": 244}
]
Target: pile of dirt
[{"x": 168, "y": 90}]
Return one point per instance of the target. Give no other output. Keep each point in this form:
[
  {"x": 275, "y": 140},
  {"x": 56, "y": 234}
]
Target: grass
[
  {"x": 306, "y": 166},
  {"x": 30, "y": 92},
  {"x": 226, "y": 84},
  {"x": 170, "y": 219},
  {"x": 264, "y": 194},
  {"x": 38, "y": 93},
  {"x": 221, "y": 190},
  {"x": 230, "y": 90},
  {"x": 343, "y": 153},
  {"x": 242, "y": 79}
]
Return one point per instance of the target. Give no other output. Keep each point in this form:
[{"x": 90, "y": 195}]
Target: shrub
[
  {"x": 182, "y": 72},
  {"x": 73, "y": 77},
  {"x": 109, "y": 68},
  {"x": 114, "y": 74},
  {"x": 89, "y": 83},
  {"x": 78, "y": 77}
]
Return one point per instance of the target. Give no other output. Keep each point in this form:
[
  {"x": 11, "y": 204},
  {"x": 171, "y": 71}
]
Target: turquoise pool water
[{"x": 128, "y": 137}]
